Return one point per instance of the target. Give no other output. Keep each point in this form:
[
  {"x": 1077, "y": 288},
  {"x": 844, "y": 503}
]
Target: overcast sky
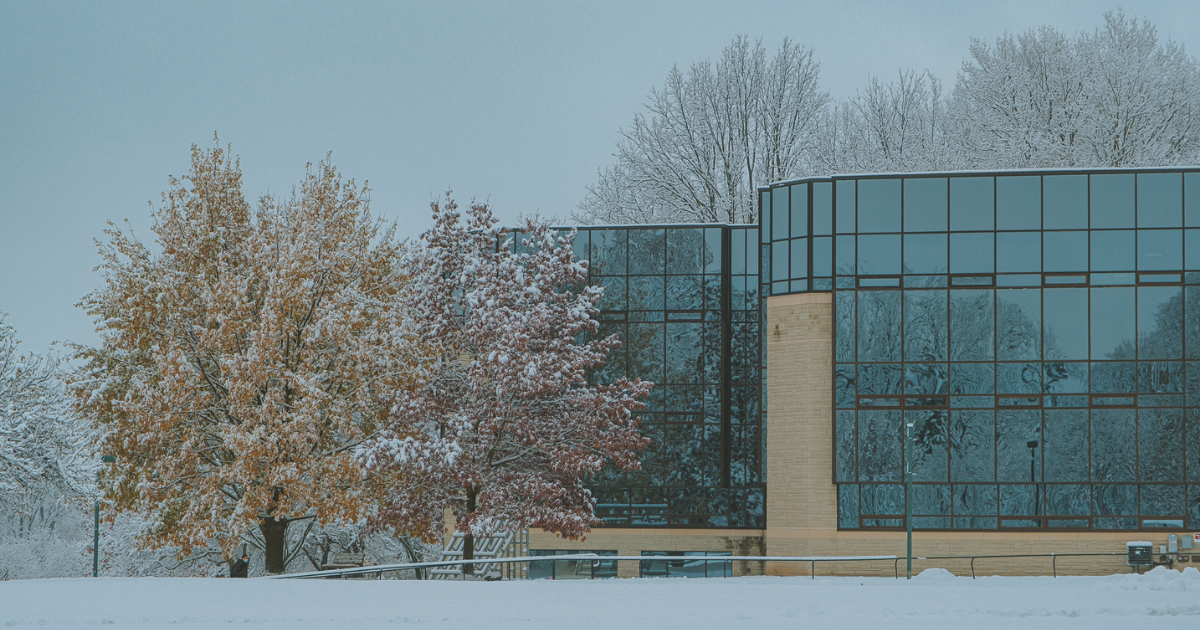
[{"x": 516, "y": 102}]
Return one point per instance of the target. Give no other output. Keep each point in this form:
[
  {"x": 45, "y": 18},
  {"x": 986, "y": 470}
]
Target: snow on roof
[{"x": 1010, "y": 171}]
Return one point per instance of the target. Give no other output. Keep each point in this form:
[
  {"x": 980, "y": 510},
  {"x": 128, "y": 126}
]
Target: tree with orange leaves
[
  {"x": 506, "y": 429},
  {"x": 243, "y": 362}
]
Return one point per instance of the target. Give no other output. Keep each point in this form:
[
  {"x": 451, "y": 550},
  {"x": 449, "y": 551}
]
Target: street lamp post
[
  {"x": 908, "y": 490},
  {"x": 107, "y": 459}
]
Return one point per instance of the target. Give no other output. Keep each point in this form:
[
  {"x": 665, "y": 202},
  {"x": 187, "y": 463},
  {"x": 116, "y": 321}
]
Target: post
[
  {"x": 908, "y": 444},
  {"x": 96, "y": 543}
]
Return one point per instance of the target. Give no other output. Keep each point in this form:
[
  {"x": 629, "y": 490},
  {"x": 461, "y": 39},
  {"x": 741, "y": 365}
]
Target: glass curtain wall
[
  {"x": 685, "y": 302},
  {"x": 1045, "y": 326}
]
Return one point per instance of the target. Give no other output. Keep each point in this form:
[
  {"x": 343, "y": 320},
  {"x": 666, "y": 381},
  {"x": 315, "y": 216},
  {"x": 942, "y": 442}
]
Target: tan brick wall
[{"x": 801, "y": 496}]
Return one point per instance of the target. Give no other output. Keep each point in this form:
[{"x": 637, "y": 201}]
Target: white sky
[{"x": 516, "y": 102}]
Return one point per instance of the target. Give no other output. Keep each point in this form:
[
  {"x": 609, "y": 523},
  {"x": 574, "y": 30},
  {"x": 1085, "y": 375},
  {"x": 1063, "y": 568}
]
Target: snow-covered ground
[{"x": 1161, "y": 600}]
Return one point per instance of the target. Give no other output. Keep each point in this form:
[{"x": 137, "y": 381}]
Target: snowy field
[{"x": 1161, "y": 599}]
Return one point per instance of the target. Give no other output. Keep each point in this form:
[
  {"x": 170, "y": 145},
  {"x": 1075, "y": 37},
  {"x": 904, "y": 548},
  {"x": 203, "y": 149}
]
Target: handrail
[
  {"x": 1053, "y": 556},
  {"x": 388, "y": 568}
]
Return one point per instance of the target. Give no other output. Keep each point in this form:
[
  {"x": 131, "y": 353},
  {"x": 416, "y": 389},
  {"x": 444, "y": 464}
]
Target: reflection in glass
[
  {"x": 1021, "y": 500},
  {"x": 1113, "y": 441},
  {"x": 879, "y": 326},
  {"x": 844, "y": 323},
  {"x": 1066, "y": 432},
  {"x": 975, "y": 500},
  {"x": 1016, "y": 431},
  {"x": 1018, "y": 252},
  {"x": 779, "y": 215},
  {"x": 1064, "y": 251},
  {"x": 971, "y": 326},
  {"x": 971, "y": 437},
  {"x": 686, "y": 251},
  {"x": 845, "y": 263},
  {"x": 925, "y": 325},
  {"x": 929, "y": 462},
  {"x": 844, "y": 426},
  {"x": 1018, "y": 378},
  {"x": 972, "y": 378},
  {"x": 1114, "y": 500},
  {"x": 879, "y": 447},
  {"x": 879, "y": 379},
  {"x": 799, "y": 268},
  {"x": 1158, "y": 448},
  {"x": 1018, "y": 324},
  {"x": 1066, "y": 200},
  {"x": 879, "y": 254},
  {"x": 1113, "y": 251},
  {"x": 1072, "y": 500},
  {"x": 822, "y": 257},
  {"x": 1112, "y": 200},
  {"x": 925, "y": 204},
  {"x": 1065, "y": 337},
  {"x": 1160, "y": 250},
  {"x": 1162, "y": 500},
  {"x": 924, "y": 253},
  {"x": 1018, "y": 202},
  {"x": 972, "y": 253},
  {"x": 1112, "y": 324},
  {"x": 878, "y": 205},
  {"x": 848, "y": 506}
]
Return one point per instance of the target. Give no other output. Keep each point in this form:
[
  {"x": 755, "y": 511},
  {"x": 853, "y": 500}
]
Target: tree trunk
[
  {"x": 275, "y": 538},
  {"x": 468, "y": 537}
]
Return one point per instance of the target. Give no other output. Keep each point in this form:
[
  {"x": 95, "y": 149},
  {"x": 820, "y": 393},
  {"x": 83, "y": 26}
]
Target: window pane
[
  {"x": 1112, "y": 326},
  {"x": 1066, "y": 447},
  {"x": 647, "y": 248},
  {"x": 1159, "y": 200},
  {"x": 878, "y": 326},
  {"x": 925, "y": 253},
  {"x": 608, "y": 252},
  {"x": 971, "y": 446},
  {"x": 971, "y": 203},
  {"x": 779, "y": 261},
  {"x": 1160, "y": 250},
  {"x": 1114, "y": 438},
  {"x": 799, "y": 258},
  {"x": 1015, "y": 459},
  {"x": 1065, "y": 251},
  {"x": 878, "y": 205},
  {"x": 972, "y": 253},
  {"x": 925, "y": 204},
  {"x": 822, "y": 215},
  {"x": 1112, "y": 251},
  {"x": 1158, "y": 445},
  {"x": 971, "y": 328},
  {"x": 929, "y": 461},
  {"x": 976, "y": 500},
  {"x": 799, "y": 210},
  {"x": 685, "y": 250},
  {"x": 1072, "y": 500},
  {"x": 738, "y": 239},
  {"x": 822, "y": 258},
  {"x": 845, "y": 254},
  {"x": 879, "y": 454},
  {"x": 845, "y": 206},
  {"x": 1066, "y": 200},
  {"x": 845, "y": 446},
  {"x": 1018, "y": 202},
  {"x": 1018, "y": 324},
  {"x": 1019, "y": 252},
  {"x": 765, "y": 216},
  {"x": 779, "y": 217},
  {"x": 972, "y": 378},
  {"x": 1114, "y": 500},
  {"x": 1112, "y": 201},
  {"x": 685, "y": 293},
  {"x": 1160, "y": 322},
  {"x": 1065, "y": 337},
  {"x": 647, "y": 293},
  {"x": 844, "y": 321},
  {"x": 879, "y": 254},
  {"x": 712, "y": 249},
  {"x": 1191, "y": 199},
  {"x": 925, "y": 325},
  {"x": 848, "y": 506}
]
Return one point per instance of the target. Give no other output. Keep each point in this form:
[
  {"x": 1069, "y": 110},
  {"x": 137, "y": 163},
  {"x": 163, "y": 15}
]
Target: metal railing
[{"x": 1053, "y": 559}]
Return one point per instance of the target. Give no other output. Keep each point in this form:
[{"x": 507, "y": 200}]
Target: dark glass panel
[
  {"x": 1160, "y": 250},
  {"x": 645, "y": 351},
  {"x": 1159, "y": 455},
  {"x": 1160, "y": 377},
  {"x": 879, "y": 379},
  {"x": 753, "y": 252},
  {"x": 1018, "y": 202},
  {"x": 1065, "y": 337},
  {"x": 844, "y": 386},
  {"x": 972, "y": 253},
  {"x": 925, "y": 204},
  {"x": 1193, "y": 507},
  {"x": 1072, "y": 500},
  {"x": 609, "y": 249},
  {"x": 879, "y": 254},
  {"x": 1112, "y": 201},
  {"x": 974, "y": 523},
  {"x": 1114, "y": 377},
  {"x": 848, "y": 506},
  {"x": 972, "y": 444},
  {"x": 799, "y": 258},
  {"x": 845, "y": 207},
  {"x": 971, "y": 203},
  {"x": 1114, "y": 500},
  {"x": 1113, "y": 323},
  {"x": 931, "y": 499},
  {"x": 1015, "y": 430},
  {"x": 879, "y": 326},
  {"x": 844, "y": 326},
  {"x": 925, "y": 325},
  {"x": 1159, "y": 500},
  {"x": 685, "y": 250},
  {"x": 1066, "y": 202},
  {"x": 1191, "y": 439},
  {"x": 971, "y": 328},
  {"x": 1066, "y": 448},
  {"x": 1114, "y": 523},
  {"x": 737, "y": 290},
  {"x": 1160, "y": 322},
  {"x": 581, "y": 245},
  {"x": 844, "y": 426},
  {"x": 972, "y": 378},
  {"x": 878, "y": 205},
  {"x": 1023, "y": 280},
  {"x": 822, "y": 217},
  {"x": 1113, "y": 251},
  {"x": 647, "y": 293},
  {"x": 879, "y": 447},
  {"x": 799, "y": 212},
  {"x": 1159, "y": 200},
  {"x": 822, "y": 258},
  {"x": 779, "y": 261},
  {"x": 1065, "y": 378},
  {"x": 764, "y": 215},
  {"x": 779, "y": 217},
  {"x": 1191, "y": 200},
  {"x": 711, "y": 253},
  {"x": 1019, "y": 252},
  {"x": 1018, "y": 378},
  {"x": 882, "y": 498},
  {"x": 924, "y": 253},
  {"x": 1064, "y": 251},
  {"x": 685, "y": 292},
  {"x": 1112, "y": 279},
  {"x": 1113, "y": 443},
  {"x": 929, "y": 462},
  {"x": 647, "y": 250},
  {"x": 614, "y": 293},
  {"x": 845, "y": 259},
  {"x": 975, "y": 500},
  {"x": 1018, "y": 324},
  {"x": 1021, "y": 500}
]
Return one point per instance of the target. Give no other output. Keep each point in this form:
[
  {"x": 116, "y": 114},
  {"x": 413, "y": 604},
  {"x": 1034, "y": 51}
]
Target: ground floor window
[
  {"x": 571, "y": 569},
  {"x": 684, "y": 564}
]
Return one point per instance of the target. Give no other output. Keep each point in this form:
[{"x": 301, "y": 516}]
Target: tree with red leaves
[{"x": 506, "y": 429}]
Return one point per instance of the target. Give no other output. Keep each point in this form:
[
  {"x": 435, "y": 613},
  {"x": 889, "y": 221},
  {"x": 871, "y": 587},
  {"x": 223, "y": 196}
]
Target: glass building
[
  {"x": 1045, "y": 326},
  {"x": 685, "y": 301}
]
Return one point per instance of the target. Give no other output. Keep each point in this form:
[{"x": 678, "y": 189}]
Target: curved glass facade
[
  {"x": 1044, "y": 325},
  {"x": 685, "y": 301}
]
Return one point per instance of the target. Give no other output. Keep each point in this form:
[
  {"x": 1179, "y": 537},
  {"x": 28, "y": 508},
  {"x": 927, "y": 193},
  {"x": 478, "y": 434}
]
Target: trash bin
[{"x": 1140, "y": 553}]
